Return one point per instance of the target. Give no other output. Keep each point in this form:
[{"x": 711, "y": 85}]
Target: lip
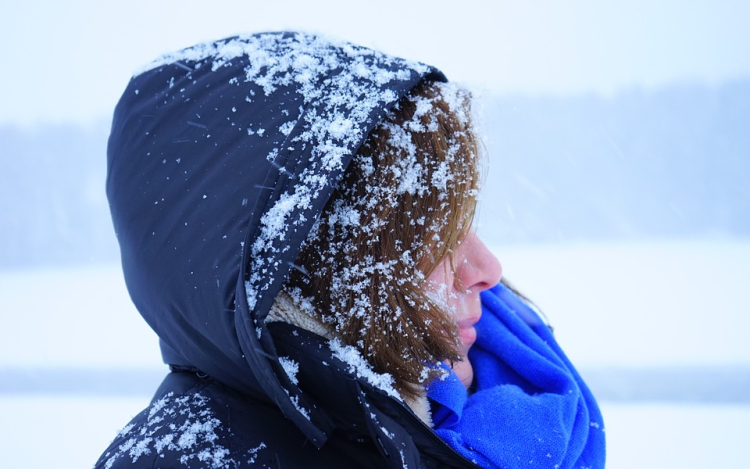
[
  {"x": 466, "y": 330},
  {"x": 468, "y": 322},
  {"x": 468, "y": 336}
]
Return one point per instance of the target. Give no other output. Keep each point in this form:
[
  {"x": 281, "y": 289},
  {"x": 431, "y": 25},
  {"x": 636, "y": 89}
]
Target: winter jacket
[{"x": 220, "y": 160}]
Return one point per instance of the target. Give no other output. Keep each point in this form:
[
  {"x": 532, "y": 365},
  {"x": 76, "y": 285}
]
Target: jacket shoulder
[
  {"x": 191, "y": 428},
  {"x": 201, "y": 423}
]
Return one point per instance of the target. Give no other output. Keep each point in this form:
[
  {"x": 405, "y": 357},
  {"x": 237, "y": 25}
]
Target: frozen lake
[{"x": 73, "y": 431}]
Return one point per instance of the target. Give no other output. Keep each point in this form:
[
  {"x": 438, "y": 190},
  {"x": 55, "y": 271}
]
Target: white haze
[
  {"x": 612, "y": 305},
  {"x": 69, "y": 61},
  {"x": 616, "y": 200}
]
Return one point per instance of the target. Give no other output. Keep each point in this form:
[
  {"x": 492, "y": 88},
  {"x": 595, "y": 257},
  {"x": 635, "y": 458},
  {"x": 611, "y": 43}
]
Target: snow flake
[
  {"x": 340, "y": 85},
  {"x": 358, "y": 366},
  {"x": 126, "y": 429},
  {"x": 193, "y": 434},
  {"x": 339, "y": 88},
  {"x": 287, "y": 127},
  {"x": 302, "y": 410},
  {"x": 291, "y": 368},
  {"x": 253, "y": 452}
]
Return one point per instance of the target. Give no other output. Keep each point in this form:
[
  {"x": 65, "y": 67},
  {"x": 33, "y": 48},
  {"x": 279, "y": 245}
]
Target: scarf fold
[{"x": 530, "y": 408}]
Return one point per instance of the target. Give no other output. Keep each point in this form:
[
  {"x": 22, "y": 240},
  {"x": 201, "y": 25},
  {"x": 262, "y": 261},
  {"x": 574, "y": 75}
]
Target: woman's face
[{"x": 475, "y": 269}]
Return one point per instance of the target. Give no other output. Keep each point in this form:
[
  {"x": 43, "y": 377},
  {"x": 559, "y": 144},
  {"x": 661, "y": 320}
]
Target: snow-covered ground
[
  {"x": 65, "y": 432},
  {"x": 644, "y": 308}
]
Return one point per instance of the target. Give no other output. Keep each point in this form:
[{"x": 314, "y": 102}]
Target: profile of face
[
  {"x": 474, "y": 270},
  {"x": 403, "y": 202}
]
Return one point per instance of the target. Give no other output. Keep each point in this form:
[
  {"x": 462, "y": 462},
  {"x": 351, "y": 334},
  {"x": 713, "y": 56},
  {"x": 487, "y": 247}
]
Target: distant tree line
[
  {"x": 668, "y": 162},
  {"x": 53, "y": 210}
]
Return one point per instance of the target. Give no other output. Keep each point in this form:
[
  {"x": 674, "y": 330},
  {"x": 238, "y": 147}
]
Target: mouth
[
  {"x": 467, "y": 332},
  {"x": 468, "y": 336}
]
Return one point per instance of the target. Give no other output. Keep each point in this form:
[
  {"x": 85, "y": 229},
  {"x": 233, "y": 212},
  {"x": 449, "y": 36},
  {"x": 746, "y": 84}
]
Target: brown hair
[{"x": 406, "y": 200}]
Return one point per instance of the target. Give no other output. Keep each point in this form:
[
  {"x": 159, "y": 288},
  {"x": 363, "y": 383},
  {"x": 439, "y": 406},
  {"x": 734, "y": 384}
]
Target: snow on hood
[{"x": 221, "y": 158}]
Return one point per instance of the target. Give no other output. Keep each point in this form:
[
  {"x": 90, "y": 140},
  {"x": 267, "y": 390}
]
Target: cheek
[
  {"x": 463, "y": 305},
  {"x": 441, "y": 280}
]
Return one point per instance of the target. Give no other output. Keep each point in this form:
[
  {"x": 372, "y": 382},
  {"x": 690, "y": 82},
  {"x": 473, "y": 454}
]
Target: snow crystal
[
  {"x": 253, "y": 452},
  {"x": 344, "y": 215},
  {"x": 358, "y": 366},
  {"x": 291, "y": 368},
  {"x": 387, "y": 433},
  {"x": 339, "y": 86},
  {"x": 197, "y": 430},
  {"x": 353, "y": 78},
  {"x": 159, "y": 405},
  {"x": 141, "y": 448},
  {"x": 274, "y": 221},
  {"x": 340, "y": 127},
  {"x": 126, "y": 429},
  {"x": 302, "y": 410},
  {"x": 441, "y": 176},
  {"x": 403, "y": 459},
  {"x": 286, "y": 128},
  {"x": 127, "y": 445}
]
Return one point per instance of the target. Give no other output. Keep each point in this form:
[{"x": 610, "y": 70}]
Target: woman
[{"x": 294, "y": 219}]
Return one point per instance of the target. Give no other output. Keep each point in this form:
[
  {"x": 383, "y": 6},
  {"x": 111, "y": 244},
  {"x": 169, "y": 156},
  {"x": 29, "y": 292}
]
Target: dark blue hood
[{"x": 221, "y": 158}]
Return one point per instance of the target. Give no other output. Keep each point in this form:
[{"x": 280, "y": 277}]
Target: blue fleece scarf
[{"x": 530, "y": 407}]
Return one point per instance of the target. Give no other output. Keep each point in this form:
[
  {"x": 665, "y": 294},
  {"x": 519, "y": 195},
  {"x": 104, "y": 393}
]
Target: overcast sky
[{"x": 68, "y": 61}]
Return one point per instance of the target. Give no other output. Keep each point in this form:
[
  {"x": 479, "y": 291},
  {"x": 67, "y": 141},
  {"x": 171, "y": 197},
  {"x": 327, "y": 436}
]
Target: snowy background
[{"x": 616, "y": 198}]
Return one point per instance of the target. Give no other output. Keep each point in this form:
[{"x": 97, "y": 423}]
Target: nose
[{"x": 478, "y": 268}]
